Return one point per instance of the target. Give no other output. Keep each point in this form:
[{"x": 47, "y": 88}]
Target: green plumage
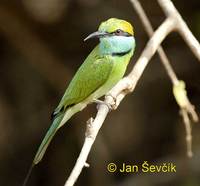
[
  {"x": 97, "y": 75},
  {"x": 47, "y": 139},
  {"x": 101, "y": 70},
  {"x": 91, "y": 75}
]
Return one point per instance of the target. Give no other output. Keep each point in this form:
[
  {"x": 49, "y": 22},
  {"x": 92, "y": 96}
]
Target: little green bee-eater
[{"x": 101, "y": 70}]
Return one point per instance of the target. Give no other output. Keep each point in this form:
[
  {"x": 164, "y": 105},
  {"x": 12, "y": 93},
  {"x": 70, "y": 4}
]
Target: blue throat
[{"x": 116, "y": 45}]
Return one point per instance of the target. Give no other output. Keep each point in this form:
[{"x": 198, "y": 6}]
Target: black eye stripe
[
  {"x": 120, "y": 32},
  {"x": 126, "y": 34}
]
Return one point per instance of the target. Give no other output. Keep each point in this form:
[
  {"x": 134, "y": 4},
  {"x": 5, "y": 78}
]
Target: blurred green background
[{"x": 41, "y": 47}]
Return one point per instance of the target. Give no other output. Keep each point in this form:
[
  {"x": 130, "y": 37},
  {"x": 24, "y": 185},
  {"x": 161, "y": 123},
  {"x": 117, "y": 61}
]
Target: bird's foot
[
  {"x": 102, "y": 102},
  {"x": 113, "y": 103}
]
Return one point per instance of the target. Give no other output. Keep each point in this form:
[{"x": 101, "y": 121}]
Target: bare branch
[
  {"x": 117, "y": 93},
  {"x": 128, "y": 84},
  {"x": 185, "y": 106},
  {"x": 181, "y": 26},
  {"x": 188, "y": 130},
  {"x": 90, "y": 136},
  {"x": 149, "y": 29}
]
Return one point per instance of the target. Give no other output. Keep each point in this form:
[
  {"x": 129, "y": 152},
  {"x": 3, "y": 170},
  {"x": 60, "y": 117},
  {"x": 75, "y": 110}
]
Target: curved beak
[{"x": 96, "y": 35}]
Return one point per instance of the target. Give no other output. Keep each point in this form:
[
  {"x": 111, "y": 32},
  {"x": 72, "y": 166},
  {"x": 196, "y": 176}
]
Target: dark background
[{"x": 41, "y": 47}]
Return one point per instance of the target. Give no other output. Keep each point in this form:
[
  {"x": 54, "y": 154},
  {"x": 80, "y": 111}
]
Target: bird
[{"x": 100, "y": 71}]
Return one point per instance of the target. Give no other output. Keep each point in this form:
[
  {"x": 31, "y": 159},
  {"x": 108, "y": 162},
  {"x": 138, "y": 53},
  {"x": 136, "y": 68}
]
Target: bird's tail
[
  {"x": 47, "y": 139},
  {"x": 45, "y": 143},
  {"x": 59, "y": 120}
]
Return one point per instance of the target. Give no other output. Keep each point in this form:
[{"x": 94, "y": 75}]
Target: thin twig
[
  {"x": 181, "y": 26},
  {"x": 188, "y": 130},
  {"x": 122, "y": 88},
  {"x": 90, "y": 136},
  {"x": 188, "y": 108},
  {"x": 117, "y": 93},
  {"x": 149, "y": 29}
]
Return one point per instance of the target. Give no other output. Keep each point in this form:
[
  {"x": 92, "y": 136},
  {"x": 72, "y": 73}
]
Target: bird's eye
[{"x": 118, "y": 32}]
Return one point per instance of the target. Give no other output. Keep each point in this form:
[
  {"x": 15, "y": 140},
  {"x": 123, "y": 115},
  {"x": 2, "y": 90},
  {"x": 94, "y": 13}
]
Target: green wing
[{"x": 90, "y": 76}]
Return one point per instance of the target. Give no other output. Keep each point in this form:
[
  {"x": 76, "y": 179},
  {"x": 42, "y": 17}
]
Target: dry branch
[
  {"x": 170, "y": 11},
  {"x": 149, "y": 29},
  {"x": 128, "y": 84},
  {"x": 187, "y": 108}
]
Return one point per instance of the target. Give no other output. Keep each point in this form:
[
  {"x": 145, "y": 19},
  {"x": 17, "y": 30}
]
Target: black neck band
[{"x": 120, "y": 53}]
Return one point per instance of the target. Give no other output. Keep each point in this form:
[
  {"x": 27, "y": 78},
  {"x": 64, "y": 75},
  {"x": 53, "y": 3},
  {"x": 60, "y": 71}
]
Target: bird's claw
[
  {"x": 113, "y": 104},
  {"x": 103, "y": 102}
]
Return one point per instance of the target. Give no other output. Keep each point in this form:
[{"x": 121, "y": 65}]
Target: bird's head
[
  {"x": 113, "y": 27},
  {"x": 116, "y": 36}
]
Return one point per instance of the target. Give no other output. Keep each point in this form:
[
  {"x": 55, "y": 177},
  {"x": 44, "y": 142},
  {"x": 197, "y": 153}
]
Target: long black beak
[{"x": 96, "y": 35}]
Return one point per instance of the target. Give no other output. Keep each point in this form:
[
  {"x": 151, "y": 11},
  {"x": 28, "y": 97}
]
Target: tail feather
[
  {"x": 47, "y": 139},
  {"x": 45, "y": 143},
  {"x": 58, "y": 121}
]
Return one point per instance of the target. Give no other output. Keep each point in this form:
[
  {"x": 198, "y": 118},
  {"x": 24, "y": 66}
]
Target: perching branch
[
  {"x": 128, "y": 84},
  {"x": 118, "y": 92}
]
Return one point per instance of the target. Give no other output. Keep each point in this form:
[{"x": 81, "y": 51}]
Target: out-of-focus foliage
[{"x": 42, "y": 47}]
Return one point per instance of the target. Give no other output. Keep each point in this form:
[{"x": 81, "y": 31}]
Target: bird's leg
[
  {"x": 102, "y": 102},
  {"x": 113, "y": 104}
]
